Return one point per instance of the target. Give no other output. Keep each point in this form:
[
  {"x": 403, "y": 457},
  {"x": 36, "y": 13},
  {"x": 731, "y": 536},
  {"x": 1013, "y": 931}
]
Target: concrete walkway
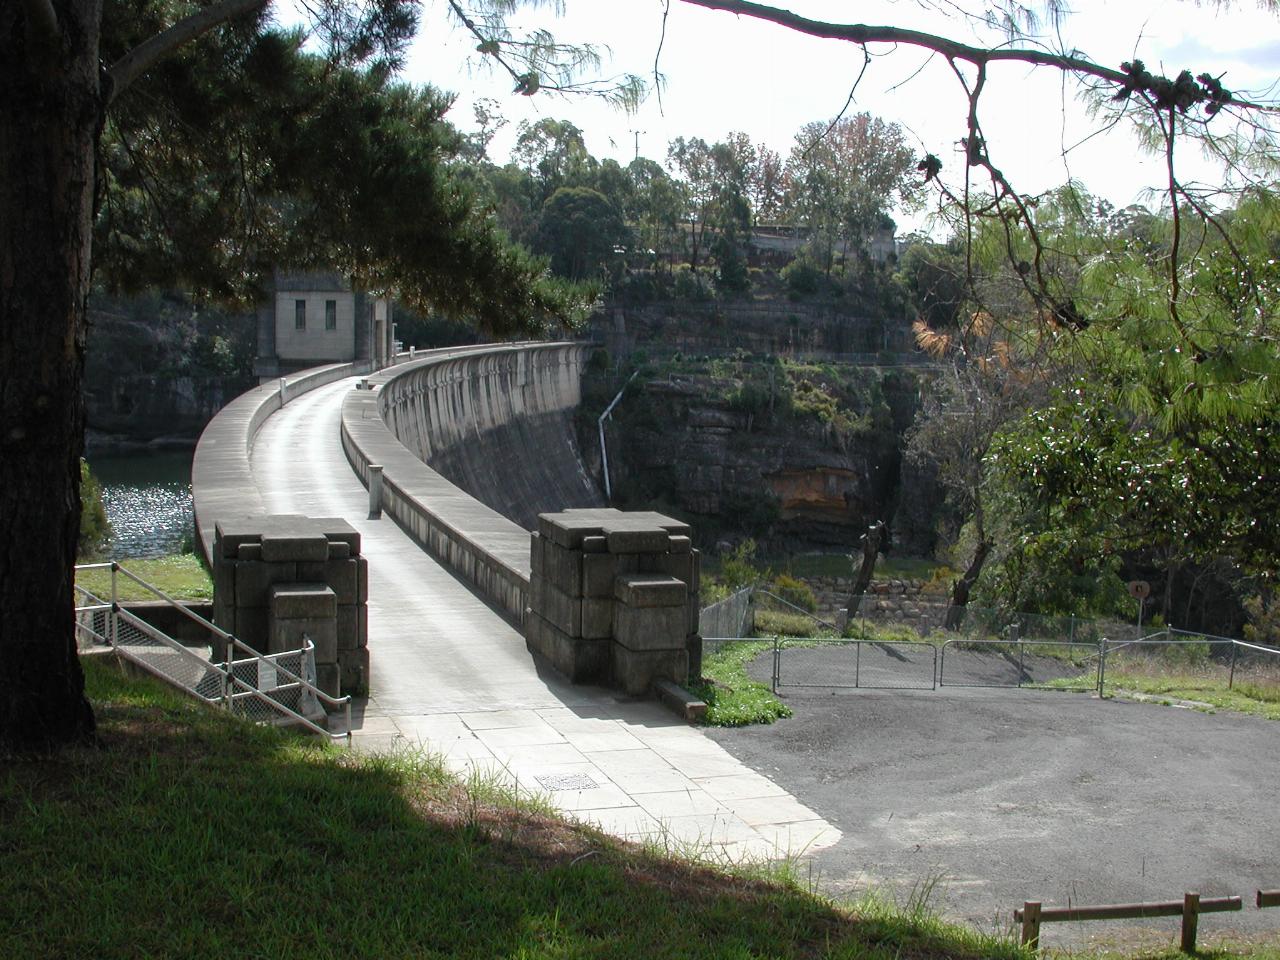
[{"x": 451, "y": 674}]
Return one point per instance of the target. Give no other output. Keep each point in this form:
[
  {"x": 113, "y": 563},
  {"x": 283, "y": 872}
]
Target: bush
[
  {"x": 802, "y": 277},
  {"x": 796, "y": 592},
  {"x": 692, "y": 286},
  {"x": 773, "y": 623},
  {"x": 737, "y": 570},
  {"x": 95, "y": 529}
]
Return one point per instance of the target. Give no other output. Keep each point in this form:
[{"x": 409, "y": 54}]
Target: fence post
[
  {"x": 777, "y": 662},
  {"x": 1031, "y": 924},
  {"x": 1102, "y": 665},
  {"x": 857, "y": 664},
  {"x": 1231, "y": 680},
  {"x": 1190, "y": 920},
  {"x": 1022, "y": 660}
]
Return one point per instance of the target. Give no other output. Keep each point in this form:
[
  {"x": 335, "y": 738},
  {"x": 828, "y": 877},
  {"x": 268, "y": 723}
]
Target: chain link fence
[
  {"x": 844, "y": 664},
  {"x": 931, "y": 647}
]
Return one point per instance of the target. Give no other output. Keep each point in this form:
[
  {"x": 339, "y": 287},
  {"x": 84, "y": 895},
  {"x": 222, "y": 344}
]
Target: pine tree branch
[
  {"x": 144, "y": 56},
  {"x": 863, "y": 34}
]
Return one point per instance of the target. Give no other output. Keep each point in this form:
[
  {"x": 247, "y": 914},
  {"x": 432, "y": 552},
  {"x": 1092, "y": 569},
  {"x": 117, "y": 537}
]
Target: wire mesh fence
[
  {"x": 836, "y": 664},
  {"x": 166, "y": 658},
  {"x": 730, "y": 617},
  {"x": 1177, "y": 659},
  {"x": 1018, "y": 663}
]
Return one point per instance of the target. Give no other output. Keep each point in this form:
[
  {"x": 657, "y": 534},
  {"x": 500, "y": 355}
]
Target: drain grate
[{"x": 568, "y": 781}]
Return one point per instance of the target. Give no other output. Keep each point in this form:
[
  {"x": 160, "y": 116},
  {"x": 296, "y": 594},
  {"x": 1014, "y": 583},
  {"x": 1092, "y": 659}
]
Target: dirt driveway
[{"x": 1009, "y": 795}]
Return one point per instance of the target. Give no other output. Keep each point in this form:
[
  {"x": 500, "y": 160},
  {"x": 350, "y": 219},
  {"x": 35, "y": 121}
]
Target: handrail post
[
  {"x": 115, "y": 607},
  {"x": 1190, "y": 920},
  {"x": 1031, "y": 924}
]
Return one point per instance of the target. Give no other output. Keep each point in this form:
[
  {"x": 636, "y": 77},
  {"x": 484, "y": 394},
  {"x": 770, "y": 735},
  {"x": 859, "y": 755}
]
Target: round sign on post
[{"x": 1139, "y": 589}]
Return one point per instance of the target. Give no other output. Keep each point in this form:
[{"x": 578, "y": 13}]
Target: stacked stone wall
[{"x": 918, "y": 603}]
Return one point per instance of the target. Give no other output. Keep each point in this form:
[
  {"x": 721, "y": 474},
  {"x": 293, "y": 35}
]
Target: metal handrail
[
  {"x": 225, "y": 669},
  {"x": 223, "y": 634},
  {"x": 227, "y": 673}
]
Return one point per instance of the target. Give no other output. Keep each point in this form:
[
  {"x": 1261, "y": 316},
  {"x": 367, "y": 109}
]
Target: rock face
[
  {"x": 156, "y": 367},
  {"x": 693, "y": 444}
]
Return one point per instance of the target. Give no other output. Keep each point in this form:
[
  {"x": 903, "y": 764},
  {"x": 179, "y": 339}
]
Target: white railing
[{"x": 261, "y": 687}]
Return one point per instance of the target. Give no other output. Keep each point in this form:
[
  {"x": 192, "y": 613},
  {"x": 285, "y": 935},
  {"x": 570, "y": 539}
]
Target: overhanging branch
[
  {"x": 863, "y": 34},
  {"x": 144, "y": 56}
]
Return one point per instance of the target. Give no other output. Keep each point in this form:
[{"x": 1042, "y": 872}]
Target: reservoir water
[{"x": 148, "y": 501}]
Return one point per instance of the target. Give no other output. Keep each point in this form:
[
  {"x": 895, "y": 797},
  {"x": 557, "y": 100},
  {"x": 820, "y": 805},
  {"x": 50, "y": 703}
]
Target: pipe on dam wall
[
  {"x": 490, "y": 415},
  {"x": 498, "y": 424}
]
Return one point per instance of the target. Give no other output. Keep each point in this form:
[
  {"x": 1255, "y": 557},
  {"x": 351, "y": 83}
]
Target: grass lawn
[
  {"x": 182, "y": 576},
  {"x": 192, "y": 834},
  {"x": 733, "y": 699},
  {"x": 1259, "y": 698}
]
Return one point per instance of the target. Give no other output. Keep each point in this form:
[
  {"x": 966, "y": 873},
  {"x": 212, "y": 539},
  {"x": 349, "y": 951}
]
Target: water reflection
[{"x": 148, "y": 501}]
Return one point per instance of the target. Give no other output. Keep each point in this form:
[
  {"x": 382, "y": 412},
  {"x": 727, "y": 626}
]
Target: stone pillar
[
  {"x": 613, "y": 597},
  {"x": 277, "y": 577}
]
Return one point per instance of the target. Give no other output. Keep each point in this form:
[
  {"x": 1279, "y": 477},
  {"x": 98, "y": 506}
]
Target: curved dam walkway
[{"x": 450, "y": 673}]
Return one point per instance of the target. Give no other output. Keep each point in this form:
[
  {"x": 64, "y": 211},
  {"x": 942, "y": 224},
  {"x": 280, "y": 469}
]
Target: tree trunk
[
  {"x": 49, "y": 115},
  {"x": 960, "y": 589},
  {"x": 871, "y": 542}
]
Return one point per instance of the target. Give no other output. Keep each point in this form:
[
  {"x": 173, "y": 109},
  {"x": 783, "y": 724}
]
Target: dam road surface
[{"x": 451, "y": 674}]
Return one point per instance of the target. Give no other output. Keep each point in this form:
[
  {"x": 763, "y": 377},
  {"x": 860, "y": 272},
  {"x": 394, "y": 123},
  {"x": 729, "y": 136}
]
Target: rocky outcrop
[{"x": 734, "y": 464}]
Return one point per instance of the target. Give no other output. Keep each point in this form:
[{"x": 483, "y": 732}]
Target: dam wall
[
  {"x": 499, "y": 420},
  {"x": 498, "y": 424}
]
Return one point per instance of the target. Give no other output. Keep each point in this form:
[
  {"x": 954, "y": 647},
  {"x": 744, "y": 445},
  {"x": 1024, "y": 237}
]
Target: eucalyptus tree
[{"x": 842, "y": 179}]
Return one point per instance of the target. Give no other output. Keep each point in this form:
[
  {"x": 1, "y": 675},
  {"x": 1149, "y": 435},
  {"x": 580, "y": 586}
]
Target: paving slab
[{"x": 451, "y": 676}]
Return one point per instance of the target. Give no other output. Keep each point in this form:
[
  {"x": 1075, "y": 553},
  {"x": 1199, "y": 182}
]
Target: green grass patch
[
  {"x": 734, "y": 699},
  {"x": 784, "y": 623},
  {"x": 1256, "y": 698},
  {"x": 192, "y": 834},
  {"x": 182, "y": 576}
]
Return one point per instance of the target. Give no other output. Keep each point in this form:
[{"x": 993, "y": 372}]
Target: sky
[{"x": 725, "y": 73}]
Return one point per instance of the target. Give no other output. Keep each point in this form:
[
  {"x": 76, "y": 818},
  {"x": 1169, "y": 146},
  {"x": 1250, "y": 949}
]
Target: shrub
[
  {"x": 802, "y": 277},
  {"x": 737, "y": 569},
  {"x": 796, "y": 592},
  {"x": 95, "y": 529}
]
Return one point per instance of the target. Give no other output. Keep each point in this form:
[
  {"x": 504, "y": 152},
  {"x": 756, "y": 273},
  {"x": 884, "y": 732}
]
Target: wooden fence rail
[{"x": 1189, "y": 908}]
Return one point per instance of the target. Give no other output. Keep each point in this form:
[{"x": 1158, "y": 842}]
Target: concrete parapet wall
[
  {"x": 221, "y": 480},
  {"x": 498, "y": 423},
  {"x": 448, "y": 399}
]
